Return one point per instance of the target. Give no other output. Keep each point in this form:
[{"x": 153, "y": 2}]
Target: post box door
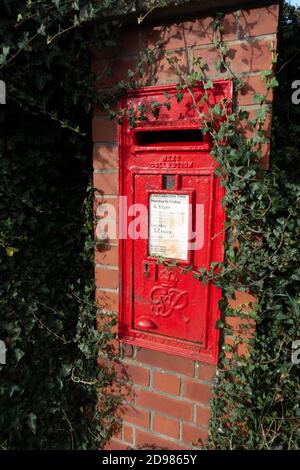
[{"x": 169, "y": 300}]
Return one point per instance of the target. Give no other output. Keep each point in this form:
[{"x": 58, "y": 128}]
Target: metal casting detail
[{"x": 166, "y": 298}]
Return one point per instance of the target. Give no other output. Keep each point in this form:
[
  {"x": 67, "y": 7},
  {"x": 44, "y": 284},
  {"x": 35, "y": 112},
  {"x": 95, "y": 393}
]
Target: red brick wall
[{"x": 168, "y": 404}]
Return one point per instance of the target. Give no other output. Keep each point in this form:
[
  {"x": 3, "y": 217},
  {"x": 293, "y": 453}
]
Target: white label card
[{"x": 169, "y": 225}]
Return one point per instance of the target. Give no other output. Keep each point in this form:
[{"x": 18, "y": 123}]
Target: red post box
[{"x": 171, "y": 209}]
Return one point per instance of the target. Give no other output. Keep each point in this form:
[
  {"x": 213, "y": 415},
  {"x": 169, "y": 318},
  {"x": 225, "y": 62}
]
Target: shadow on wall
[{"x": 184, "y": 41}]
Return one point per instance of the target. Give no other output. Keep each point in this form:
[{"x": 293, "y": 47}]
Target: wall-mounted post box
[{"x": 171, "y": 210}]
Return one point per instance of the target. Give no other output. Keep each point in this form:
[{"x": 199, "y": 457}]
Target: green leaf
[
  {"x": 272, "y": 83},
  {"x": 10, "y": 250},
  {"x": 179, "y": 96},
  {"x": 32, "y": 418},
  {"x": 208, "y": 85}
]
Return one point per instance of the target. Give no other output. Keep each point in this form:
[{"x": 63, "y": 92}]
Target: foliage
[
  {"x": 256, "y": 398},
  {"x": 49, "y": 385},
  {"x": 256, "y": 401}
]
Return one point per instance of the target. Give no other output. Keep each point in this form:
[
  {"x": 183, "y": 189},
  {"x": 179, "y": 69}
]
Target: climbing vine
[
  {"x": 50, "y": 383},
  {"x": 256, "y": 398},
  {"x": 256, "y": 401}
]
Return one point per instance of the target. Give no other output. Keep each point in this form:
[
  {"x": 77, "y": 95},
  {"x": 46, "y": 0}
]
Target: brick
[
  {"x": 113, "y": 444},
  {"x": 200, "y": 31},
  {"x": 106, "y": 207},
  {"x": 243, "y": 349},
  {"x": 106, "y": 321},
  {"x": 250, "y": 56},
  {"x": 247, "y": 128},
  {"x": 181, "y": 365},
  {"x": 135, "y": 415},
  {"x": 166, "y": 382},
  {"x": 230, "y": 26},
  {"x": 239, "y": 348},
  {"x": 206, "y": 372},
  {"x": 127, "y": 350},
  {"x": 105, "y": 52},
  {"x": 166, "y": 405},
  {"x": 208, "y": 56},
  {"x": 107, "y": 254},
  {"x": 104, "y": 129},
  {"x": 105, "y": 277},
  {"x": 258, "y": 21},
  {"x": 265, "y": 156},
  {"x": 240, "y": 302},
  {"x": 106, "y": 183},
  {"x": 197, "y": 391},
  {"x": 170, "y": 36},
  {"x": 118, "y": 434},
  {"x": 263, "y": 149},
  {"x": 134, "y": 373},
  {"x": 202, "y": 416},
  {"x": 241, "y": 299},
  {"x": 246, "y": 57},
  {"x": 114, "y": 345},
  {"x": 166, "y": 72},
  {"x": 127, "y": 433},
  {"x": 129, "y": 41},
  {"x": 162, "y": 72},
  {"x": 106, "y": 220},
  {"x": 229, "y": 340},
  {"x": 148, "y": 440},
  {"x": 188, "y": 33},
  {"x": 192, "y": 434},
  {"x": 241, "y": 326},
  {"x": 110, "y": 72},
  {"x": 167, "y": 426},
  {"x": 253, "y": 84},
  {"x": 108, "y": 300},
  {"x": 126, "y": 44},
  {"x": 125, "y": 392},
  {"x": 105, "y": 157},
  {"x": 103, "y": 111}
]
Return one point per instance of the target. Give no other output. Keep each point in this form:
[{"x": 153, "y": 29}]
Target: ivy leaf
[
  {"x": 208, "y": 85},
  {"x": 42, "y": 30},
  {"x": 219, "y": 324},
  {"x": 10, "y": 250},
  {"x": 258, "y": 98},
  {"x": 3, "y": 56},
  {"x": 75, "y": 5},
  {"x": 32, "y": 418},
  {"x": 272, "y": 83},
  {"x": 179, "y": 96},
  {"x": 218, "y": 64},
  {"x": 155, "y": 108}
]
